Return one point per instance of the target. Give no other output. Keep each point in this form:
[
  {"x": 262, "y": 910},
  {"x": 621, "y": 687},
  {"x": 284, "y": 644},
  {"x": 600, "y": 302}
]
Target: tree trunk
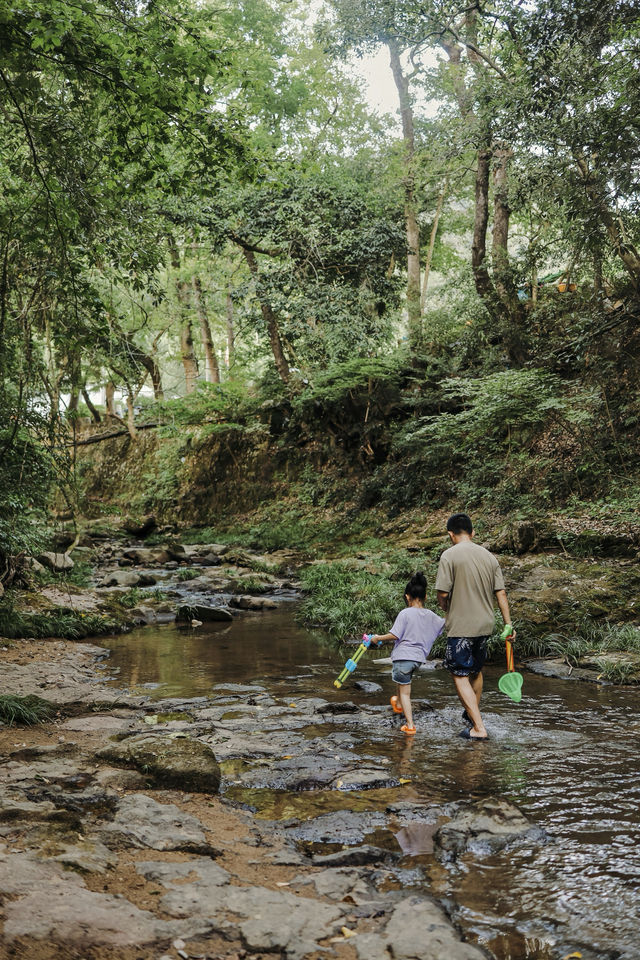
[
  {"x": 513, "y": 313},
  {"x": 270, "y": 320},
  {"x": 150, "y": 364},
  {"x": 625, "y": 250},
  {"x": 410, "y": 208},
  {"x": 189, "y": 361},
  {"x": 501, "y": 217},
  {"x": 480, "y": 221},
  {"x": 109, "y": 392},
  {"x": 211, "y": 369},
  {"x": 231, "y": 336},
  {"x": 131, "y": 426},
  {"x": 92, "y": 410},
  {"x": 432, "y": 242}
]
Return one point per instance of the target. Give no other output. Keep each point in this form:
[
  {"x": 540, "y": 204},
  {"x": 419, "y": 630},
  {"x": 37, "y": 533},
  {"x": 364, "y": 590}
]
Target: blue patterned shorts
[{"x": 465, "y": 656}]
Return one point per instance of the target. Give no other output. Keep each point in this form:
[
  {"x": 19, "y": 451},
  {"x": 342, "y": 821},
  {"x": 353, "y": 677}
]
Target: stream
[{"x": 567, "y": 755}]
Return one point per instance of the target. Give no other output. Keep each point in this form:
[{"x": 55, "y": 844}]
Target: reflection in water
[
  {"x": 416, "y": 838},
  {"x": 566, "y": 755}
]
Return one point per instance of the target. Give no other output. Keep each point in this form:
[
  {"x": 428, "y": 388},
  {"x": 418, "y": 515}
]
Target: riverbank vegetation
[{"x": 236, "y": 297}]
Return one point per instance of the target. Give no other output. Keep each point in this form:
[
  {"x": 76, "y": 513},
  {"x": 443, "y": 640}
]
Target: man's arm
[
  {"x": 443, "y": 600},
  {"x": 503, "y": 604}
]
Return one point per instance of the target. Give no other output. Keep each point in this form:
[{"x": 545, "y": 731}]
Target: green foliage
[
  {"x": 79, "y": 576},
  {"x": 592, "y": 638},
  {"x": 346, "y": 602},
  {"x": 136, "y": 595},
  {"x": 187, "y": 573},
  {"x": 69, "y": 624},
  {"x": 25, "y": 711},
  {"x": 492, "y": 438}
]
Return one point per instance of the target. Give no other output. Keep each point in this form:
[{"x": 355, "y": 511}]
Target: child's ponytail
[{"x": 417, "y": 587}]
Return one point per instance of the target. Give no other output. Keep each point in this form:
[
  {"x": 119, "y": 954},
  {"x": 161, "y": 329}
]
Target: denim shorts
[
  {"x": 465, "y": 656},
  {"x": 402, "y": 670}
]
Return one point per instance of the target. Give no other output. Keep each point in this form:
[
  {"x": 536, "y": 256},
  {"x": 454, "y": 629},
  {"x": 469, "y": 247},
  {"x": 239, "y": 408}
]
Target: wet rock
[
  {"x": 240, "y": 688},
  {"x": 343, "y": 826},
  {"x": 146, "y": 556},
  {"x": 355, "y": 857},
  {"x": 121, "y": 578},
  {"x": 442, "y": 942},
  {"x": 207, "y": 559},
  {"x": 338, "y": 883},
  {"x": 484, "y": 827},
  {"x": 407, "y": 811},
  {"x": 367, "y": 686},
  {"x": 558, "y": 667},
  {"x": 176, "y": 551},
  {"x": 253, "y": 603},
  {"x": 208, "y": 614},
  {"x": 364, "y": 778},
  {"x": 345, "y": 707},
  {"x": 57, "y": 562},
  {"x": 169, "y": 761},
  {"x": 240, "y": 558},
  {"x": 141, "y": 821},
  {"x": 147, "y": 580}
]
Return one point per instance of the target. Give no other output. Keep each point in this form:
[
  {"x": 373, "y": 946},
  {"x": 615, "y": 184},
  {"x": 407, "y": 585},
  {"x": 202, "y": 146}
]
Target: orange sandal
[
  {"x": 410, "y": 731},
  {"x": 394, "y": 704}
]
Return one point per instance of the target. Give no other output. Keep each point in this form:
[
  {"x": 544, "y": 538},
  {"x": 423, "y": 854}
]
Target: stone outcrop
[
  {"x": 175, "y": 761},
  {"x": 57, "y": 562}
]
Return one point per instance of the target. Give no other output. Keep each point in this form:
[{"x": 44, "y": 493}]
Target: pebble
[{"x": 178, "y": 944}]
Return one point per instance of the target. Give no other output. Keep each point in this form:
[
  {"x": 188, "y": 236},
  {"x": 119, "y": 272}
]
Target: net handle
[{"x": 510, "y": 661}]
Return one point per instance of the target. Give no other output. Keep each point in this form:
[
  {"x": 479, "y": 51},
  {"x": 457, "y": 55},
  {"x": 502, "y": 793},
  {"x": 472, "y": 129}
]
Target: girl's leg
[{"x": 404, "y": 695}]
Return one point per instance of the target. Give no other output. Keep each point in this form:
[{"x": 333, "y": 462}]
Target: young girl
[{"x": 414, "y": 632}]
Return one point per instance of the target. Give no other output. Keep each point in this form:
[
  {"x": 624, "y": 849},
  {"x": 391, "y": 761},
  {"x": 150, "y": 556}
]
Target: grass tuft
[{"x": 26, "y": 711}]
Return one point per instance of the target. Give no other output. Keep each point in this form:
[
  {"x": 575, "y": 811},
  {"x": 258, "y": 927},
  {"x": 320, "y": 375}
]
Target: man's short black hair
[{"x": 460, "y": 523}]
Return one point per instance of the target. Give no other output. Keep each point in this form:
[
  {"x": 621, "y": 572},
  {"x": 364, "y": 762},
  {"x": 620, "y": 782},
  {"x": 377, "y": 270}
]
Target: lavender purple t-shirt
[{"x": 417, "y": 630}]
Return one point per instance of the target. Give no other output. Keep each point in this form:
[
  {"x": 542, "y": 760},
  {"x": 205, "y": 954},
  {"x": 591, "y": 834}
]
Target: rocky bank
[{"x": 119, "y": 837}]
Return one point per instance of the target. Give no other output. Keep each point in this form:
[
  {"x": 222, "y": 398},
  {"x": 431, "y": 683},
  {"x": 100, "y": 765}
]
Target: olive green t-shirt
[{"x": 470, "y": 575}]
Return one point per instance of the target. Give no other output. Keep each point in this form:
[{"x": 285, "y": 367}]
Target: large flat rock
[
  {"x": 141, "y": 821},
  {"x": 172, "y": 761}
]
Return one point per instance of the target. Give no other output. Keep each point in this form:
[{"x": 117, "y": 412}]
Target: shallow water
[{"x": 567, "y": 755}]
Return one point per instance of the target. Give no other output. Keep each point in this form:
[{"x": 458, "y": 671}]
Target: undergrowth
[
  {"x": 27, "y": 710},
  {"x": 590, "y": 638},
  {"x": 68, "y": 624}
]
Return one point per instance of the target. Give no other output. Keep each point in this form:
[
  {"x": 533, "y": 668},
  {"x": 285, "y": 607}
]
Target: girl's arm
[{"x": 379, "y": 639}]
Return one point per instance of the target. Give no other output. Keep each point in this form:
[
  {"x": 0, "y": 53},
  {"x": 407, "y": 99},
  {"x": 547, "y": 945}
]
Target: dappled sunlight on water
[{"x": 567, "y": 755}]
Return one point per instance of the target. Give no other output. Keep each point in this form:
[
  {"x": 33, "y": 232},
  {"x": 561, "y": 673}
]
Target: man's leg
[
  {"x": 404, "y": 694},
  {"x": 469, "y": 695},
  {"x": 477, "y": 681}
]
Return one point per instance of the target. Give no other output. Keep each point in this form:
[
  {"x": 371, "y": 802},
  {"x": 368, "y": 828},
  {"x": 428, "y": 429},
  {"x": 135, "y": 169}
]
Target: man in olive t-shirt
[{"x": 468, "y": 581}]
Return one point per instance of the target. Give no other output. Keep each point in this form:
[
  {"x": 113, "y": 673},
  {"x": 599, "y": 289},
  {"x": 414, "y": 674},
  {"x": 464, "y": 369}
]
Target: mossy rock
[{"x": 178, "y": 762}]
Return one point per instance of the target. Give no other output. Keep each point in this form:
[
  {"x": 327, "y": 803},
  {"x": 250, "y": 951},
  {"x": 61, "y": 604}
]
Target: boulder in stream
[
  {"x": 484, "y": 827},
  {"x": 121, "y": 578},
  {"x": 208, "y": 614}
]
